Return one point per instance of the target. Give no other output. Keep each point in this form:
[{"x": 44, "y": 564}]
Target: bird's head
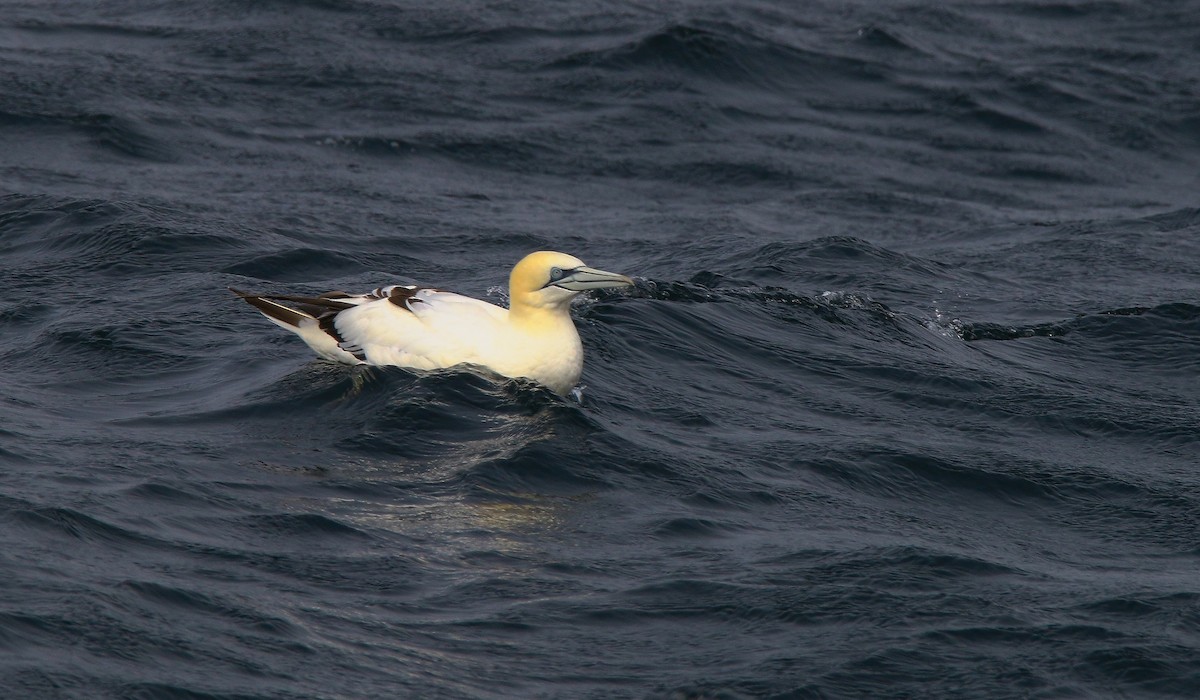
[{"x": 549, "y": 279}]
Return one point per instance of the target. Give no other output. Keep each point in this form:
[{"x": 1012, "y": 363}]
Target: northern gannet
[{"x": 427, "y": 328}]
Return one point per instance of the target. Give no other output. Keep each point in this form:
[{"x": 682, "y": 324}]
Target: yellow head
[{"x": 549, "y": 279}]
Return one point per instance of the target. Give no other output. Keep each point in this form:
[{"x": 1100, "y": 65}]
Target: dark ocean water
[{"x": 904, "y": 404}]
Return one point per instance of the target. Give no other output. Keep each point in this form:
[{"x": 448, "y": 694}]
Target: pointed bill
[{"x": 584, "y": 278}]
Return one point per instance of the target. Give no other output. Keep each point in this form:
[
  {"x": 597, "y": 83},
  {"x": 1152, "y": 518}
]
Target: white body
[{"x": 426, "y": 328}]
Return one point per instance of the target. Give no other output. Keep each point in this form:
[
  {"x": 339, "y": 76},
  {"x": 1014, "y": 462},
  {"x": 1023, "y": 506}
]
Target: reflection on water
[{"x": 448, "y": 457}]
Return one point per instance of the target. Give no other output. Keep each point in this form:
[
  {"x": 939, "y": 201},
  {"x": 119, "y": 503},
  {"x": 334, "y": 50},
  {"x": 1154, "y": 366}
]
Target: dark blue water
[{"x": 904, "y": 404}]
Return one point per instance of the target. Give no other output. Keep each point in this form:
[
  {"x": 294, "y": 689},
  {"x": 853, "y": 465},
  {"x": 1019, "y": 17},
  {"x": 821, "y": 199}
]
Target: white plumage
[{"x": 426, "y": 328}]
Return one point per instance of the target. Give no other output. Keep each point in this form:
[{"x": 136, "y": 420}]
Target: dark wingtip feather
[{"x": 279, "y": 312}]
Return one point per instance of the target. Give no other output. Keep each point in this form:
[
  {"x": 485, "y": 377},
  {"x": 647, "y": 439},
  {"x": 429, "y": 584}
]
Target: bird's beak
[{"x": 584, "y": 278}]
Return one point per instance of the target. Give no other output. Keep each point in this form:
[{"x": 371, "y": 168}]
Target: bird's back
[{"x": 429, "y": 329}]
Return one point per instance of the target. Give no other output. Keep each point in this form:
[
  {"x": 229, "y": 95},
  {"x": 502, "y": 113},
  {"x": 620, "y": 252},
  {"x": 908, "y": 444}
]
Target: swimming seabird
[{"x": 427, "y": 328}]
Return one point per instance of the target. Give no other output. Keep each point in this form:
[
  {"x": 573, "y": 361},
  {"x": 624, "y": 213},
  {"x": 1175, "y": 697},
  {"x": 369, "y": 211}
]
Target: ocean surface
[{"x": 905, "y": 402}]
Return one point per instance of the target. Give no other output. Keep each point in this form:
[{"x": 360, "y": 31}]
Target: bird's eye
[{"x": 556, "y": 274}]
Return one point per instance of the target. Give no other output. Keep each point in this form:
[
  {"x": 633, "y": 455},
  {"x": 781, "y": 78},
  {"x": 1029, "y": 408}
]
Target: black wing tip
[
  {"x": 279, "y": 312},
  {"x": 271, "y": 309},
  {"x": 324, "y": 302}
]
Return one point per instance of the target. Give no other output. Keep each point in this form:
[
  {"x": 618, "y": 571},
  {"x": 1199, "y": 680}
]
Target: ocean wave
[{"x": 903, "y": 402}]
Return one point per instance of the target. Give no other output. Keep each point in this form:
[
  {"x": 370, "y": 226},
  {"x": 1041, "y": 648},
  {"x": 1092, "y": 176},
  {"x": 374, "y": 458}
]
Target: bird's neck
[{"x": 534, "y": 317}]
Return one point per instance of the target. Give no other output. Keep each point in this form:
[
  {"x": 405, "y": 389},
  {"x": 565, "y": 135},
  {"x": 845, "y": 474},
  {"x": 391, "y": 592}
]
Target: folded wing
[{"x": 419, "y": 327}]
